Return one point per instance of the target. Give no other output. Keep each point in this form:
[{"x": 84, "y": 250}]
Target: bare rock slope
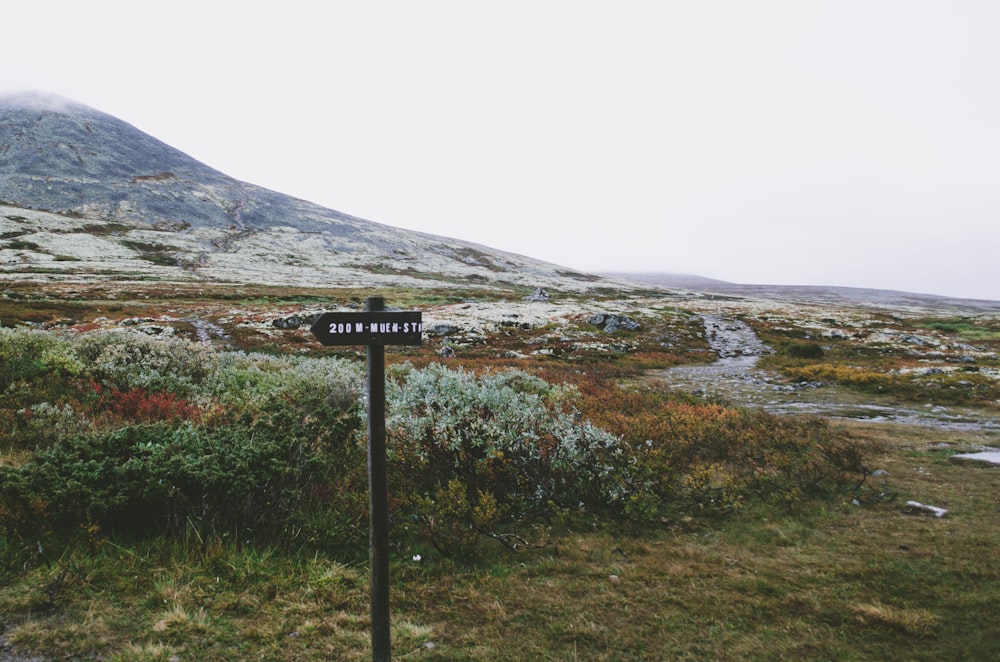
[{"x": 84, "y": 195}]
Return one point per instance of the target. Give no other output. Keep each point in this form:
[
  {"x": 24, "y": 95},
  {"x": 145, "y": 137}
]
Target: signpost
[{"x": 375, "y": 328}]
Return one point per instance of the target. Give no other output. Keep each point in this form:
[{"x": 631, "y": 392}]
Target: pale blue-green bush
[
  {"x": 485, "y": 455},
  {"x": 254, "y": 379},
  {"x": 132, "y": 359}
]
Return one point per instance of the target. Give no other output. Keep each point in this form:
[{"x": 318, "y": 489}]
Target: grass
[
  {"x": 915, "y": 361},
  {"x": 824, "y": 579},
  {"x": 830, "y": 580}
]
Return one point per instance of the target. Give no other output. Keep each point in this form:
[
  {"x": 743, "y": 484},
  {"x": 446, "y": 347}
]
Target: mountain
[
  {"x": 84, "y": 195},
  {"x": 808, "y": 294}
]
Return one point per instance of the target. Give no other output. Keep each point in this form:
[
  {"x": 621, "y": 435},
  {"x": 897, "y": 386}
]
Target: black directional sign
[
  {"x": 376, "y": 328},
  {"x": 369, "y": 328}
]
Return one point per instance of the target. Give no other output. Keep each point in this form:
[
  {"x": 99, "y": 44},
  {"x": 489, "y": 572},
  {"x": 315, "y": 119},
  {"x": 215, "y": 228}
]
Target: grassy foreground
[
  {"x": 830, "y": 581},
  {"x": 812, "y": 578}
]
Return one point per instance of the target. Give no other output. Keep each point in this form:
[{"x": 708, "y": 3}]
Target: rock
[
  {"x": 446, "y": 352},
  {"x": 924, "y": 508},
  {"x": 441, "y": 329},
  {"x": 292, "y": 322},
  {"x": 538, "y": 295},
  {"x": 171, "y": 226},
  {"x": 612, "y": 323},
  {"x": 296, "y": 321}
]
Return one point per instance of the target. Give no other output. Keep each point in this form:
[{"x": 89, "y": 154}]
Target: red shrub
[{"x": 143, "y": 406}]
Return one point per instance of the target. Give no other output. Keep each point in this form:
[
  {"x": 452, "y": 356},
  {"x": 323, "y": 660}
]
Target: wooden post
[
  {"x": 374, "y": 328},
  {"x": 378, "y": 510}
]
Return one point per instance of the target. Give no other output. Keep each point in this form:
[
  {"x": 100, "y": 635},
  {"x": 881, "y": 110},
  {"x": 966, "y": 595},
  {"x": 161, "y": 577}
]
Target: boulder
[
  {"x": 538, "y": 295},
  {"x": 291, "y": 322},
  {"x": 295, "y": 321},
  {"x": 441, "y": 329},
  {"x": 612, "y": 323}
]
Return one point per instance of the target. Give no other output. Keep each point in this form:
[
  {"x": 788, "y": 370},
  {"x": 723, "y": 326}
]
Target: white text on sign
[{"x": 341, "y": 328}]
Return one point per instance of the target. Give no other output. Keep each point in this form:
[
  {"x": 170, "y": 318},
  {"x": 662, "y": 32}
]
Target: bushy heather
[
  {"x": 485, "y": 455},
  {"x": 711, "y": 458},
  {"x": 134, "y": 359},
  {"x": 135, "y": 434}
]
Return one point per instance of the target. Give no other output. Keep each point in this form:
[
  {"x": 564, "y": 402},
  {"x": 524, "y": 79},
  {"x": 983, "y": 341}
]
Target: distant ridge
[
  {"x": 152, "y": 211},
  {"x": 832, "y": 295}
]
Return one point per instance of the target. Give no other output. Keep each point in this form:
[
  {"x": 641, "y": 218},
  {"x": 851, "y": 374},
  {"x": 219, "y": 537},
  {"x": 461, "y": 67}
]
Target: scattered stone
[
  {"x": 441, "y": 330},
  {"x": 880, "y": 472},
  {"x": 612, "y": 323},
  {"x": 171, "y": 226},
  {"x": 525, "y": 326},
  {"x": 916, "y": 340},
  {"x": 156, "y": 330},
  {"x": 286, "y": 323},
  {"x": 924, "y": 508},
  {"x": 295, "y": 321},
  {"x": 538, "y": 295}
]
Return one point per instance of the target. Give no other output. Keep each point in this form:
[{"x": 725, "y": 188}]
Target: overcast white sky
[{"x": 850, "y": 142}]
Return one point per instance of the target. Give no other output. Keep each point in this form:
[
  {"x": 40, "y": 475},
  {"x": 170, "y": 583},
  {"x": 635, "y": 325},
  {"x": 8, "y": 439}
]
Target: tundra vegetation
[{"x": 164, "y": 495}]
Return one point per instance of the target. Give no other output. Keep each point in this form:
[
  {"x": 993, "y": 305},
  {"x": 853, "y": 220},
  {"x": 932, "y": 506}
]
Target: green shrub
[
  {"x": 135, "y": 433},
  {"x": 803, "y": 350},
  {"x": 255, "y": 480},
  {"x": 127, "y": 359},
  {"x": 27, "y": 354},
  {"x": 485, "y": 456},
  {"x": 707, "y": 458}
]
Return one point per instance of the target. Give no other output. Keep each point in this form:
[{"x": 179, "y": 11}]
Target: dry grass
[{"x": 911, "y": 621}]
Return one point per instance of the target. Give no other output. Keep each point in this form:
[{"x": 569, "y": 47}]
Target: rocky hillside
[
  {"x": 84, "y": 195},
  {"x": 810, "y": 294}
]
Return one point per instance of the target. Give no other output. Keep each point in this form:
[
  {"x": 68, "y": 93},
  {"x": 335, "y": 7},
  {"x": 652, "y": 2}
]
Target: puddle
[
  {"x": 205, "y": 331},
  {"x": 990, "y": 456},
  {"x": 736, "y": 379}
]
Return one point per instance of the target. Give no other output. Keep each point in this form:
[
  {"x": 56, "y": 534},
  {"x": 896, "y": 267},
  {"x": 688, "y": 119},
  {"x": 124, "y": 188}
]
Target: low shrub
[
  {"x": 260, "y": 479},
  {"x": 802, "y": 350},
  {"x": 132, "y": 433},
  {"x": 475, "y": 456},
  {"x": 710, "y": 458},
  {"x": 132, "y": 359},
  {"x": 939, "y": 386}
]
